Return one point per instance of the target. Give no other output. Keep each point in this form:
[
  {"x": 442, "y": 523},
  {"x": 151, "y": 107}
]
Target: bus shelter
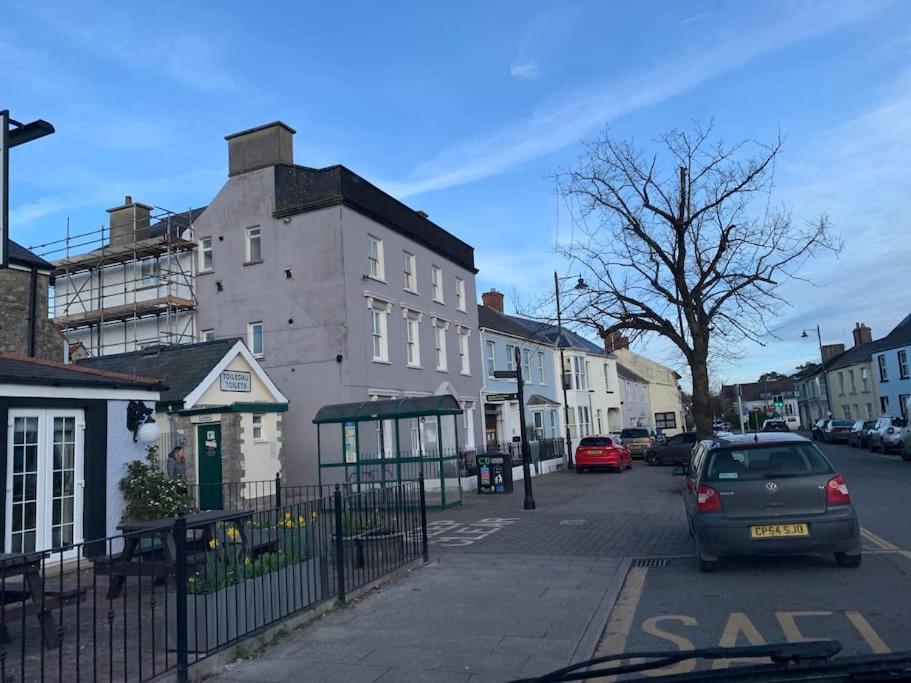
[{"x": 374, "y": 443}]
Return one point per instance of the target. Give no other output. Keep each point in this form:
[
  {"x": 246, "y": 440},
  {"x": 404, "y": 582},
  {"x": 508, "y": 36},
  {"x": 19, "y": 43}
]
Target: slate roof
[
  {"x": 569, "y": 340},
  {"x": 181, "y": 367},
  {"x": 753, "y": 391},
  {"x": 630, "y": 376},
  {"x": 19, "y": 370},
  {"x": 21, "y": 255},
  {"x": 538, "y": 400},
  {"x": 857, "y": 354},
  {"x": 498, "y": 322},
  {"x": 899, "y": 336},
  {"x": 299, "y": 189},
  {"x": 178, "y": 222}
]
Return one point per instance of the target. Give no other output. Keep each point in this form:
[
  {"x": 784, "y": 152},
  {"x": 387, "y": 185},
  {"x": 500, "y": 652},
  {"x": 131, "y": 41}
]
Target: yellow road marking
[
  {"x": 650, "y": 626},
  {"x": 613, "y": 641},
  {"x": 788, "y": 622},
  {"x": 738, "y": 623},
  {"x": 877, "y": 540},
  {"x": 864, "y": 629}
]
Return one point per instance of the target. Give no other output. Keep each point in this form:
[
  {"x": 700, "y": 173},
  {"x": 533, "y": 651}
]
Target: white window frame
[
  {"x": 436, "y": 278},
  {"x": 205, "y": 250},
  {"x": 841, "y": 383},
  {"x": 510, "y": 358},
  {"x": 607, "y": 377},
  {"x": 439, "y": 342},
  {"x": 257, "y": 430},
  {"x": 464, "y": 351},
  {"x": 902, "y": 364},
  {"x": 460, "y": 294},
  {"x": 207, "y": 335},
  {"x": 491, "y": 358},
  {"x": 409, "y": 272},
  {"x": 251, "y": 338},
  {"x": 149, "y": 272},
  {"x": 379, "y": 347},
  {"x": 253, "y": 234},
  {"x": 865, "y": 379},
  {"x": 468, "y": 421},
  {"x": 883, "y": 371},
  {"x": 541, "y": 379},
  {"x": 526, "y": 367},
  {"x": 853, "y": 381},
  {"x": 376, "y": 269},
  {"x": 412, "y": 340}
]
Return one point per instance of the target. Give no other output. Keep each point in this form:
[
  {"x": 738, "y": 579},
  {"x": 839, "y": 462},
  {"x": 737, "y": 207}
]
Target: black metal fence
[
  {"x": 164, "y": 595},
  {"x": 253, "y": 495}
]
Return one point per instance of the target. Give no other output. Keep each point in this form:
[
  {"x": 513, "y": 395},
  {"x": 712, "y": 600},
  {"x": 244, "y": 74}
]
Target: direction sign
[
  {"x": 505, "y": 374},
  {"x": 496, "y": 398}
]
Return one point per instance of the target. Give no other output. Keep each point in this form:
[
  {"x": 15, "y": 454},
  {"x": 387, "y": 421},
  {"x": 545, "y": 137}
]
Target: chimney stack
[
  {"x": 260, "y": 147},
  {"x": 129, "y": 222},
  {"x": 615, "y": 341},
  {"x": 829, "y": 351},
  {"x": 493, "y": 299},
  {"x": 862, "y": 334}
]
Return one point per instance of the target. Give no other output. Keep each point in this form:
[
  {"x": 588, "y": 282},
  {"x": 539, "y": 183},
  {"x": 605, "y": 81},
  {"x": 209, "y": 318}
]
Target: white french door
[{"x": 44, "y": 480}]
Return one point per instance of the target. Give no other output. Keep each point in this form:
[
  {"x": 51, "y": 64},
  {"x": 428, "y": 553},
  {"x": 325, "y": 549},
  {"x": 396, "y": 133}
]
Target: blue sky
[{"x": 466, "y": 110}]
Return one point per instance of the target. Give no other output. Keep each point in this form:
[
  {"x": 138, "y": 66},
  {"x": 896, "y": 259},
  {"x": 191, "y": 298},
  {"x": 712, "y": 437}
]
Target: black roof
[
  {"x": 899, "y": 336},
  {"x": 299, "y": 189},
  {"x": 568, "y": 340},
  {"x": 492, "y": 319},
  {"x": 389, "y": 409},
  {"x": 857, "y": 354},
  {"x": 18, "y": 370},
  {"x": 178, "y": 222},
  {"x": 753, "y": 391},
  {"x": 629, "y": 375},
  {"x": 181, "y": 367},
  {"x": 22, "y": 256}
]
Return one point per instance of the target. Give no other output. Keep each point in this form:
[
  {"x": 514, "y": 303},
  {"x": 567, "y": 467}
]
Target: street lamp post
[
  {"x": 12, "y": 134},
  {"x": 529, "y": 503},
  {"x": 825, "y": 374},
  {"x": 580, "y": 285}
]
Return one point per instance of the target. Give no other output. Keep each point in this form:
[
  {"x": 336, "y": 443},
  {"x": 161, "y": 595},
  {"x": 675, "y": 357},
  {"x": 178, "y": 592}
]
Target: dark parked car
[
  {"x": 837, "y": 431},
  {"x": 818, "y": 428},
  {"x": 677, "y": 450},
  {"x": 860, "y": 433},
  {"x": 768, "y": 494},
  {"x": 775, "y": 426}
]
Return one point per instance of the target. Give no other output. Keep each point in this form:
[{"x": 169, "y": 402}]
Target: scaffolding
[{"x": 127, "y": 286}]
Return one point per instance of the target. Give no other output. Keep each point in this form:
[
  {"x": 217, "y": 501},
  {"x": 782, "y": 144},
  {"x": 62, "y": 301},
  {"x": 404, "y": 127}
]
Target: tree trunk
[{"x": 702, "y": 410}]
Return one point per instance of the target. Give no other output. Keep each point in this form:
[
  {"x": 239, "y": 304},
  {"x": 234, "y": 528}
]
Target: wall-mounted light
[{"x": 141, "y": 423}]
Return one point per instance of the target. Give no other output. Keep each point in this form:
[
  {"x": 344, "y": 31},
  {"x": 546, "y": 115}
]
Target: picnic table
[
  {"x": 130, "y": 562},
  {"x": 28, "y": 566}
]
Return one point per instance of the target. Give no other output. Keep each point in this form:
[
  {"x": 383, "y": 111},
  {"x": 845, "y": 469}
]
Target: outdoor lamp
[
  {"x": 580, "y": 285},
  {"x": 139, "y": 416},
  {"x": 149, "y": 432}
]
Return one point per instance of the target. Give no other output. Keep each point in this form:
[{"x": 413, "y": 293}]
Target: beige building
[
  {"x": 663, "y": 387},
  {"x": 853, "y": 389},
  {"x": 221, "y": 406}
]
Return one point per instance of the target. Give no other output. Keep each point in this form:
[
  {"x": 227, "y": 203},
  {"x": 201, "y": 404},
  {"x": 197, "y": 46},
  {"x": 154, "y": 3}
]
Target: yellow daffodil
[
  {"x": 192, "y": 579},
  {"x": 233, "y": 532},
  {"x": 313, "y": 515},
  {"x": 289, "y": 523},
  {"x": 213, "y": 543},
  {"x": 287, "y": 515},
  {"x": 302, "y": 521},
  {"x": 248, "y": 561}
]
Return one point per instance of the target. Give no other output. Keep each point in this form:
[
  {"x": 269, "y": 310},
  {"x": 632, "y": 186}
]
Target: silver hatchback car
[{"x": 768, "y": 494}]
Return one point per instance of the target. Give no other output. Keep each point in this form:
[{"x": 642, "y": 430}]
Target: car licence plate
[{"x": 779, "y": 530}]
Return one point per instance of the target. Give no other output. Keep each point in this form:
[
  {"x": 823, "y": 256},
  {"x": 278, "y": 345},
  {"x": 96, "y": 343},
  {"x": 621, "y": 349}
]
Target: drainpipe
[{"x": 32, "y": 313}]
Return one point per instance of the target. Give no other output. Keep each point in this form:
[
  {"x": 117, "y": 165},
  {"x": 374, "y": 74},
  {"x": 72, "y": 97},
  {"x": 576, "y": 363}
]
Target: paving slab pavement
[{"x": 511, "y": 594}]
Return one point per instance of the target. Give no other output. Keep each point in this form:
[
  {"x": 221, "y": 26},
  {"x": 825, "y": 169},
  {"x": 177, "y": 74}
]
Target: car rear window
[
  {"x": 869, "y": 424},
  {"x": 780, "y": 460},
  {"x": 596, "y": 441},
  {"x": 841, "y": 423},
  {"x": 634, "y": 434}
]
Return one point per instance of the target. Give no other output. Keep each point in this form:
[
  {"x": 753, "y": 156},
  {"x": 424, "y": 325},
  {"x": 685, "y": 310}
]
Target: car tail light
[
  {"x": 890, "y": 430},
  {"x": 707, "y": 499},
  {"x": 837, "y": 492}
]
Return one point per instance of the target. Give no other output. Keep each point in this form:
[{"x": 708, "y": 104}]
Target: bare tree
[{"x": 684, "y": 243}]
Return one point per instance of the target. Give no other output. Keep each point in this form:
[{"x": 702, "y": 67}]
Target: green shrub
[{"x": 149, "y": 493}]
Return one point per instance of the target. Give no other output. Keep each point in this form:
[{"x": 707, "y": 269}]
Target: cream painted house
[
  {"x": 221, "y": 406},
  {"x": 663, "y": 387}
]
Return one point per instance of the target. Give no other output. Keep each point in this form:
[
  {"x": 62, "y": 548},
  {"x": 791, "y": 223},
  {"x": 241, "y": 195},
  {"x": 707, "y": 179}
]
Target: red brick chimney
[
  {"x": 862, "y": 334},
  {"x": 615, "y": 341},
  {"x": 493, "y": 299}
]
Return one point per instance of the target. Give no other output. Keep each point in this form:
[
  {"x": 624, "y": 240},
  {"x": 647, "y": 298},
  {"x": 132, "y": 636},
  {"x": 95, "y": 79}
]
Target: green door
[{"x": 208, "y": 451}]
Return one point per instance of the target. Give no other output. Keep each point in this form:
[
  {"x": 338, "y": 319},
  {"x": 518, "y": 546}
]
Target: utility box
[{"x": 494, "y": 473}]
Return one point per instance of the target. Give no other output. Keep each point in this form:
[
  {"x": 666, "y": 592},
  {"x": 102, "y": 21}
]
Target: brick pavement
[{"x": 507, "y": 593}]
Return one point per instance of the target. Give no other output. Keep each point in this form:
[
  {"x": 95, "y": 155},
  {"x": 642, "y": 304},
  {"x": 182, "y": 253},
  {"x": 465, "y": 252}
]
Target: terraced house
[{"x": 893, "y": 371}]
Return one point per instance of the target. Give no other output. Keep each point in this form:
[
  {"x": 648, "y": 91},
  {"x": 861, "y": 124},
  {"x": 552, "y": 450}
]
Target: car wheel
[
  {"x": 843, "y": 560},
  {"x": 652, "y": 459}
]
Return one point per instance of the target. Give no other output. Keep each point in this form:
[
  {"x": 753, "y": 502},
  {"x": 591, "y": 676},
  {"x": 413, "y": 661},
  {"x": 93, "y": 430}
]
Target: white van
[{"x": 792, "y": 421}]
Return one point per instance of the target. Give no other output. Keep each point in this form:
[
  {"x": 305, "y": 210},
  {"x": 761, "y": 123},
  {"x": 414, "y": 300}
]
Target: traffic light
[{"x": 778, "y": 401}]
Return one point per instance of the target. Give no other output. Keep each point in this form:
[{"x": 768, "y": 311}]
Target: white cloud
[
  {"x": 568, "y": 116},
  {"x": 525, "y": 71}
]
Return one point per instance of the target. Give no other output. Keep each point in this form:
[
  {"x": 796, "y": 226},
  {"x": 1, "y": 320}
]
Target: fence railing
[
  {"x": 164, "y": 595},
  {"x": 253, "y": 495}
]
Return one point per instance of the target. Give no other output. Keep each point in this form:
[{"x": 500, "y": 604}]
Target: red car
[{"x": 602, "y": 451}]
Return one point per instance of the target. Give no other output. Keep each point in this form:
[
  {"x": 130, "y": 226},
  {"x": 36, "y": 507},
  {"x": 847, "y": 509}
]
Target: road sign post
[{"x": 526, "y": 453}]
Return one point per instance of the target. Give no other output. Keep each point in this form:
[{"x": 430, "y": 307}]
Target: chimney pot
[
  {"x": 129, "y": 222},
  {"x": 862, "y": 334},
  {"x": 260, "y": 147},
  {"x": 493, "y": 299}
]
